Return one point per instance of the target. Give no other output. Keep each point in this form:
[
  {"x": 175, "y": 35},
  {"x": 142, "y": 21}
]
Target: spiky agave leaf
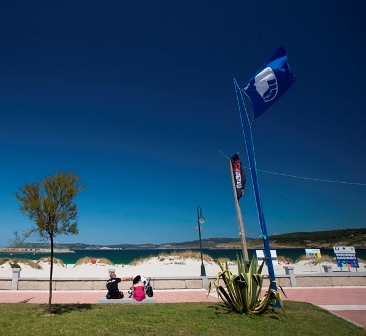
[
  {"x": 242, "y": 292},
  {"x": 269, "y": 299},
  {"x": 228, "y": 295}
]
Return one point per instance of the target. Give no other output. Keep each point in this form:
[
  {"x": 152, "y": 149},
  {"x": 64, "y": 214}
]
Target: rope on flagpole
[
  {"x": 300, "y": 177},
  {"x": 309, "y": 178}
]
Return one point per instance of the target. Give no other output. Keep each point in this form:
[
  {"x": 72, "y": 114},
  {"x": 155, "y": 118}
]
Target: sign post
[
  {"x": 346, "y": 257},
  {"x": 312, "y": 254}
]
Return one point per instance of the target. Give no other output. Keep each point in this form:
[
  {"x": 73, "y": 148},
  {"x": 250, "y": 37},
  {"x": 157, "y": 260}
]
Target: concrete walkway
[{"x": 346, "y": 302}]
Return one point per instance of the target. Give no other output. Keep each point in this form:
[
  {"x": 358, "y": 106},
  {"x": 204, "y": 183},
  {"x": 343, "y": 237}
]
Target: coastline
[
  {"x": 127, "y": 256},
  {"x": 17, "y": 250}
]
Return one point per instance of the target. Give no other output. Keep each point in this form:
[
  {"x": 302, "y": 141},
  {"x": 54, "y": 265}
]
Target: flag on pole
[
  {"x": 271, "y": 81},
  {"x": 239, "y": 176}
]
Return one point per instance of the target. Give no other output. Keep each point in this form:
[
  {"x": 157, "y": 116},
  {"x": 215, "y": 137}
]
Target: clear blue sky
[{"x": 137, "y": 98}]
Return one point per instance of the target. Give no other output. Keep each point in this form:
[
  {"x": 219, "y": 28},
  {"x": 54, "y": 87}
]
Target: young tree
[{"x": 50, "y": 204}]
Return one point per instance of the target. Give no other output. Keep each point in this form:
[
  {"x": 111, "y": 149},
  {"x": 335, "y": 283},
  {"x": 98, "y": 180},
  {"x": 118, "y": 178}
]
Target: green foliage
[
  {"x": 3, "y": 261},
  {"x": 18, "y": 240},
  {"x": 48, "y": 260},
  {"x": 242, "y": 292},
  {"x": 315, "y": 261},
  {"x": 88, "y": 260},
  {"x": 351, "y": 236},
  {"x": 285, "y": 260},
  {"x": 166, "y": 319},
  {"x": 50, "y": 205},
  {"x": 173, "y": 256},
  {"x": 14, "y": 264}
]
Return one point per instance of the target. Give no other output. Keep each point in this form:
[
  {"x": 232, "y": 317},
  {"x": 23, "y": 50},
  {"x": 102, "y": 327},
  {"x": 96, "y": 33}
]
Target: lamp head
[{"x": 200, "y": 217}]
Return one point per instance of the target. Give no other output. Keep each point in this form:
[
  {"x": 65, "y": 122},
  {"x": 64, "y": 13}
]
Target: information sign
[
  {"x": 313, "y": 253},
  {"x": 346, "y": 256}
]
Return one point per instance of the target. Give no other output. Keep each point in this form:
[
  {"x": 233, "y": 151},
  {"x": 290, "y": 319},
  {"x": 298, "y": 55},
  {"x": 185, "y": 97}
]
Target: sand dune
[{"x": 152, "y": 267}]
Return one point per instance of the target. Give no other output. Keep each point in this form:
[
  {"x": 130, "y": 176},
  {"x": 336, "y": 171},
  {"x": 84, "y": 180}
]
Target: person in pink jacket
[{"x": 138, "y": 289}]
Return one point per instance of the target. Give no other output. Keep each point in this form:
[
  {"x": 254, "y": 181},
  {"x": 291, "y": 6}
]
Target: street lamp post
[{"x": 200, "y": 220}]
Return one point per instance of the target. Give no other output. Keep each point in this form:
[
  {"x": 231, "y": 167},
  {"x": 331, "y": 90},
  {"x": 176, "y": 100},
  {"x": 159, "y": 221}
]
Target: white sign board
[
  {"x": 313, "y": 253},
  {"x": 260, "y": 256}
]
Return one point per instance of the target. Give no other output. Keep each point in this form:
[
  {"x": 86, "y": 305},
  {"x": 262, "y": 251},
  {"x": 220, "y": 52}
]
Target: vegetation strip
[{"x": 169, "y": 319}]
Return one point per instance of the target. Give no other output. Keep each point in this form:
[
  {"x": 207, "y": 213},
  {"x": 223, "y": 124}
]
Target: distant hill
[
  {"x": 317, "y": 239},
  {"x": 350, "y": 237}
]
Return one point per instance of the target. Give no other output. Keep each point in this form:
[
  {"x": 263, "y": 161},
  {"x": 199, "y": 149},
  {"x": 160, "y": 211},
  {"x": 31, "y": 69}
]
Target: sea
[{"x": 126, "y": 256}]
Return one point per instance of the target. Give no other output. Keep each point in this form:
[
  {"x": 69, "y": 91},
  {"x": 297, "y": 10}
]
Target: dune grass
[
  {"x": 88, "y": 260},
  {"x": 56, "y": 261},
  {"x": 316, "y": 261},
  {"x": 15, "y": 262},
  {"x": 173, "y": 256},
  {"x": 169, "y": 319},
  {"x": 285, "y": 260},
  {"x": 140, "y": 260}
]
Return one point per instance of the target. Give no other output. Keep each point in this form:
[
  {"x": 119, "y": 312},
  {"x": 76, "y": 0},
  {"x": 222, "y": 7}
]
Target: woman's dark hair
[{"x": 136, "y": 279}]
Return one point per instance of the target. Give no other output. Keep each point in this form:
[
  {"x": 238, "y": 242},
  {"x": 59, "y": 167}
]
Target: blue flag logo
[{"x": 271, "y": 81}]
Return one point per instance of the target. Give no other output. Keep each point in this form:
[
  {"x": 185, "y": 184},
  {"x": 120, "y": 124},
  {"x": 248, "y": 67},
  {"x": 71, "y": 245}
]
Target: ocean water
[{"x": 126, "y": 256}]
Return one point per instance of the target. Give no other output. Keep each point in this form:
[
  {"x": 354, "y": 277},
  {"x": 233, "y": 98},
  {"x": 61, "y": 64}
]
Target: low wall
[
  {"x": 98, "y": 283},
  {"x": 164, "y": 283}
]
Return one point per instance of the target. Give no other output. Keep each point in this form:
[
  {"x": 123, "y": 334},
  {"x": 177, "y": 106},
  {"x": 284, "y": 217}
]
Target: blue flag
[{"x": 271, "y": 81}]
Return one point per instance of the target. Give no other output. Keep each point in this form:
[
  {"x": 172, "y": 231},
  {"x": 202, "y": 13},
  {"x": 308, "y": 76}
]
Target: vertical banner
[
  {"x": 239, "y": 175},
  {"x": 346, "y": 256}
]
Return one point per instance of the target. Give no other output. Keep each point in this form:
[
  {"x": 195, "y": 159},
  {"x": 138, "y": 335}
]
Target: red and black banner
[{"x": 239, "y": 176}]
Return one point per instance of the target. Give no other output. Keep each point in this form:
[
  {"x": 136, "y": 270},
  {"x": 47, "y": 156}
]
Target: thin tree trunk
[{"x": 51, "y": 272}]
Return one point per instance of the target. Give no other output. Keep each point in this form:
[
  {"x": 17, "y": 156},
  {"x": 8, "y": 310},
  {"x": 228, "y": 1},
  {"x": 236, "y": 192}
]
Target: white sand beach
[{"x": 152, "y": 267}]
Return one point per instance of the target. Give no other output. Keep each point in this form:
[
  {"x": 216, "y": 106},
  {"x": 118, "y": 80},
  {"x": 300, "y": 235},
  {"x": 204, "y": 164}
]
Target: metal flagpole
[
  {"x": 240, "y": 220},
  {"x": 253, "y": 170}
]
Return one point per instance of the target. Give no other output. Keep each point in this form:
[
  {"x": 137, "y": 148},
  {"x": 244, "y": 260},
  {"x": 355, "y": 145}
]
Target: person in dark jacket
[{"x": 112, "y": 286}]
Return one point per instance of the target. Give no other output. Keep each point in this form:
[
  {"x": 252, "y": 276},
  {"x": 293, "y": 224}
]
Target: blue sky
[{"x": 137, "y": 98}]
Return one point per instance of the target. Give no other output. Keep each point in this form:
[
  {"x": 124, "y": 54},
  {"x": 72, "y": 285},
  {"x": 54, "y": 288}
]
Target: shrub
[
  {"x": 3, "y": 261},
  {"x": 285, "y": 260},
  {"x": 56, "y": 261},
  {"x": 174, "y": 255},
  {"x": 88, "y": 260},
  {"x": 15, "y": 263},
  {"x": 303, "y": 257},
  {"x": 324, "y": 258},
  {"x": 316, "y": 261},
  {"x": 105, "y": 261},
  {"x": 241, "y": 293}
]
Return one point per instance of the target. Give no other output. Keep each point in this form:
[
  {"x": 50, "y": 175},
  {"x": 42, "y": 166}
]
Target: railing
[{"x": 327, "y": 279}]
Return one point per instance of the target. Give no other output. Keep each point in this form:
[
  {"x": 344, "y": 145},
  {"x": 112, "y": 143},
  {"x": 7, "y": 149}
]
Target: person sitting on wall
[
  {"x": 138, "y": 289},
  {"x": 112, "y": 286}
]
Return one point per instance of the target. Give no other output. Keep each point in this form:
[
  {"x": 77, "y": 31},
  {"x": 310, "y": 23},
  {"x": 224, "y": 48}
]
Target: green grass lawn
[{"x": 171, "y": 319}]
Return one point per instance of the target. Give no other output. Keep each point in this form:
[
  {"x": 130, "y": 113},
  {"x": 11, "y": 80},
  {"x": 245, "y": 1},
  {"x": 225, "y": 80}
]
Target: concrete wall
[
  {"x": 100, "y": 284},
  {"x": 314, "y": 280}
]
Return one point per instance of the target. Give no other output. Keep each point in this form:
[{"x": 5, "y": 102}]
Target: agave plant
[{"x": 242, "y": 292}]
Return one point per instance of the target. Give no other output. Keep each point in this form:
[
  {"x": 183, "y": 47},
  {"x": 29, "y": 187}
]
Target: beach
[{"x": 153, "y": 267}]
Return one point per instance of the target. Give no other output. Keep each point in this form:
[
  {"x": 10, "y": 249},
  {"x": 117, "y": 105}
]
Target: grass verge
[{"x": 169, "y": 319}]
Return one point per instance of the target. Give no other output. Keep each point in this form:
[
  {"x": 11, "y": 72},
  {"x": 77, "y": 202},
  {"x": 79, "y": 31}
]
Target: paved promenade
[{"x": 346, "y": 302}]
